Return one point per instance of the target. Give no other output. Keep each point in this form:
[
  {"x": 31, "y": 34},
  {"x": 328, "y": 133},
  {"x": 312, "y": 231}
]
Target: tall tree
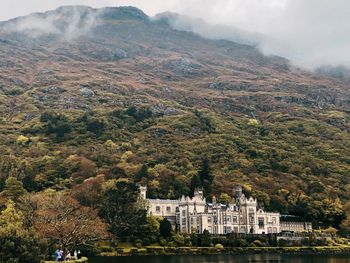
[
  {"x": 142, "y": 173},
  {"x": 120, "y": 209},
  {"x": 206, "y": 177},
  {"x": 89, "y": 192},
  {"x": 195, "y": 183},
  {"x": 165, "y": 228},
  {"x": 13, "y": 189},
  {"x": 17, "y": 243},
  {"x": 62, "y": 221},
  {"x": 345, "y": 225},
  {"x": 11, "y": 221},
  {"x": 205, "y": 238}
]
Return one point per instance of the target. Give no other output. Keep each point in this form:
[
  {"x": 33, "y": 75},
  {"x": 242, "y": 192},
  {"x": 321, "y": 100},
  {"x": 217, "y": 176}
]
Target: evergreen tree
[
  {"x": 195, "y": 183},
  {"x": 205, "y": 239},
  {"x": 17, "y": 243},
  {"x": 121, "y": 211},
  {"x": 206, "y": 177},
  {"x": 11, "y": 221},
  {"x": 13, "y": 189},
  {"x": 165, "y": 228},
  {"x": 142, "y": 173},
  {"x": 194, "y": 239}
]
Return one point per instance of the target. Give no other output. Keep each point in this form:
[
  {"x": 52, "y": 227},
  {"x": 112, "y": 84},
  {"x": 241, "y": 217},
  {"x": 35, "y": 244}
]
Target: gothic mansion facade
[{"x": 195, "y": 214}]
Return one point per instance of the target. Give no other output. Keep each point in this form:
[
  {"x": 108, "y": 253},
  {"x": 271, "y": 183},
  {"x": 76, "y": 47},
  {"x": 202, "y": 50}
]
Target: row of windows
[
  {"x": 228, "y": 229},
  {"x": 226, "y": 219},
  {"x": 168, "y": 208},
  {"x": 272, "y": 230}
]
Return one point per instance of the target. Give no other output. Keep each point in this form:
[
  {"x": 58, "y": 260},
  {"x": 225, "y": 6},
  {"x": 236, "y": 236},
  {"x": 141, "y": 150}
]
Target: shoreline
[{"x": 171, "y": 251}]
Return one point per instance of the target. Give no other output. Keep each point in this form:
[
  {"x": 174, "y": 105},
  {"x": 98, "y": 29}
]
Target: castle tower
[
  {"x": 198, "y": 192},
  {"x": 238, "y": 192},
  {"x": 143, "y": 192},
  {"x": 248, "y": 211}
]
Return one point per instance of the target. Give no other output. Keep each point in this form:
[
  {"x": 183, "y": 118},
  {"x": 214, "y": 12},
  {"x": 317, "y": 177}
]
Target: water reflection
[{"x": 228, "y": 259}]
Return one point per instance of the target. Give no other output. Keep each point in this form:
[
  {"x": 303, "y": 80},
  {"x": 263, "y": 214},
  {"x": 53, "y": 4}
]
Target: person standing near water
[
  {"x": 59, "y": 256},
  {"x": 68, "y": 256}
]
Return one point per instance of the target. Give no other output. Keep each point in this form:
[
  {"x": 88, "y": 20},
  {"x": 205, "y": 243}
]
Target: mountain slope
[{"x": 88, "y": 91}]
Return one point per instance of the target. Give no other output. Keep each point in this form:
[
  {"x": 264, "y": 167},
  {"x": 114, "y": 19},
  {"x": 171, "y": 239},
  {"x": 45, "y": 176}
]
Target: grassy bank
[{"x": 229, "y": 250}]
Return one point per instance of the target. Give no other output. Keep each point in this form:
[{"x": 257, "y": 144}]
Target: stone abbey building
[{"x": 194, "y": 214}]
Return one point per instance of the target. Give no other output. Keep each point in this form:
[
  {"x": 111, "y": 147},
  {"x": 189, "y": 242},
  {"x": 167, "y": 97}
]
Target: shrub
[
  {"x": 146, "y": 241},
  {"x": 220, "y": 240},
  {"x": 22, "y": 140},
  {"x": 138, "y": 245},
  {"x": 106, "y": 249},
  {"x": 219, "y": 246},
  {"x": 305, "y": 242},
  {"x": 258, "y": 243},
  {"x": 134, "y": 251},
  {"x": 138, "y": 241},
  {"x": 171, "y": 244},
  {"x": 252, "y": 244},
  {"x": 205, "y": 239},
  {"x": 241, "y": 243},
  {"x": 179, "y": 239},
  {"x": 282, "y": 242},
  {"x": 162, "y": 242},
  {"x": 20, "y": 248},
  {"x": 165, "y": 228}
]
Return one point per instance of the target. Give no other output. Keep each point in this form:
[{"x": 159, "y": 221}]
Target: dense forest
[{"x": 284, "y": 164}]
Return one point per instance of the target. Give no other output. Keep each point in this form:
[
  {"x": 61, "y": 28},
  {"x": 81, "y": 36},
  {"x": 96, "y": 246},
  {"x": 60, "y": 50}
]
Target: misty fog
[{"x": 308, "y": 32}]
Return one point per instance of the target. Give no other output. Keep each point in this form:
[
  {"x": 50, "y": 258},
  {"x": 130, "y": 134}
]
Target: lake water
[{"x": 227, "y": 259}]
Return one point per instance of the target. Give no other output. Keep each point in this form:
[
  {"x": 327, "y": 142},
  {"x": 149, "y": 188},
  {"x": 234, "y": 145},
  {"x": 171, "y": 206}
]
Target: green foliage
[
  {"x": 219, "y": 246},
  {"x": 142, "y": 173},
  {"x": 205, "y": 122},
  {"x": 165, "y": 228},
  {"x": 286, "y": 136},
  {"x": 20, "y": 249},
  {"x": 282, "y": 158},
  {"x": 93, "y": 124},
  {"x": 195, "y": 183},
  {"x": 205, "y": 239},
  {"x": 206, "y": 177},
  {"x": 120, "y": 210},
  {"x": 56, "y": 124},
  {"x": 17, "y": 243},
  {"x": 139, "y": 114},
  {"x": 345, "y": 225},
  {"x": 257, "y": 243},
  {"x": 22, "y": 140},
  {"x": 13, "y": 189},
  {"x": 11, "y": 221}
]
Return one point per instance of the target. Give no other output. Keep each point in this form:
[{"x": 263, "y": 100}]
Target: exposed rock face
[
  {"x": 161, "y": 109},
  {"x": 120, "y": 53},
  {"x": 184, "y": 67},
  {"x": 53, "y": 90},
  {"x": 86, "y": 92}
]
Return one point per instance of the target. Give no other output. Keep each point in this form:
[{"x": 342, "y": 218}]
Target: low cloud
[
  {"x": 308, "y": 32},
  {"x": 66, "y": 22}
]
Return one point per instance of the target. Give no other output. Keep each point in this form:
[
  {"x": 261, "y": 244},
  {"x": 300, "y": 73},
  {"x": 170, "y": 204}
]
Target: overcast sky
[{"x": 313, "y": 31}]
